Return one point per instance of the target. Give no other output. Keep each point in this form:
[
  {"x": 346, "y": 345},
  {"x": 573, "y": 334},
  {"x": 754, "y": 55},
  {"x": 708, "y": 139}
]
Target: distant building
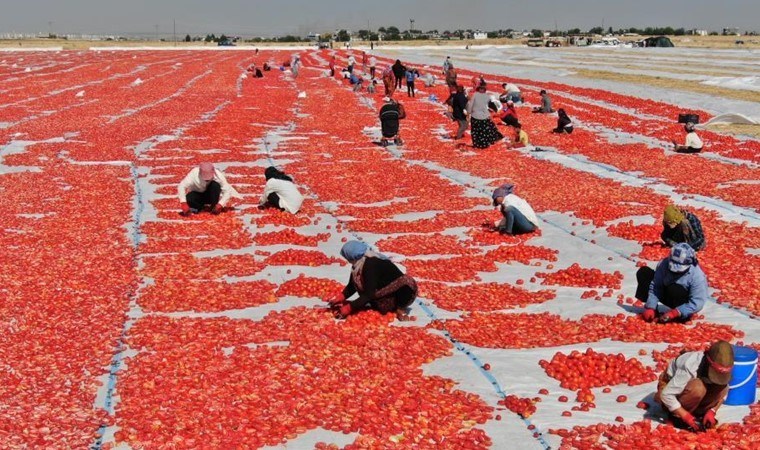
[
  {"x": 731, "y": 32},
  {"x": 479, "y": 35},
  {"x": 580, "y": 41},
  {"x": 313, "y": 37},
  {"x": 699, "y": 32}
]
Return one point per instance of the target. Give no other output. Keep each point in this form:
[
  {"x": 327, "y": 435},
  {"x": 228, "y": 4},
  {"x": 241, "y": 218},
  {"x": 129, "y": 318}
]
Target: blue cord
[{"x": 118, "y": 356}]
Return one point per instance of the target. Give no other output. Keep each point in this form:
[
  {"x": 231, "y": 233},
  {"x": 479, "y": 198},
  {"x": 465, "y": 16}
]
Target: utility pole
[
  {"x": 156, "y": 27},
  {"x": 50, "y": 28},
  {"x": 175, "y": 32}
]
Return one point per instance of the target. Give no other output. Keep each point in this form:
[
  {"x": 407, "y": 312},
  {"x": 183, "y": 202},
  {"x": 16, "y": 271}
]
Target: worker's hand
[
  {"x": 669, "y": 316},
  {"x": 185, "y": 208},
  {"x": 335, "y": 297},
  {"x": 709, "y": 421},
  {"x": 217, "y": 209},
  {"x": 341, "y": 311},
  {"x": 649, "y": 315},
  {"x": 690, "y": 421}
]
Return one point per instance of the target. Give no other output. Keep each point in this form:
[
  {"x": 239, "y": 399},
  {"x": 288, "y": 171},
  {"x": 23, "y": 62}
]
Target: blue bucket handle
[{"x": 749, "y": 376}]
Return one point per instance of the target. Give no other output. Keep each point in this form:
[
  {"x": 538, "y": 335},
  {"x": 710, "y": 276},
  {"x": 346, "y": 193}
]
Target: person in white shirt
[
  {"x": 519, "y": 217},
  {"x": 511, "y": 92},
  {"x": 295, "y": 65},
  {"x": 280, "y": 192},
  {"x": 351, "y": 63},
  {"x": 204, "y": 187},
  {"x": 693, "y": 143},
  {"x": 694, "y": 385}
]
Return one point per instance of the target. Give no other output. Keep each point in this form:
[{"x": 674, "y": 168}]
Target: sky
[{"x": 280, "y": 17}]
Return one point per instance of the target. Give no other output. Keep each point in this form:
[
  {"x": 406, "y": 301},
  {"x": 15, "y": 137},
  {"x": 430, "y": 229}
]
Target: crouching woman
[
  {"x": 519, "y": 217},
  {"x": 380, "y": 284}
]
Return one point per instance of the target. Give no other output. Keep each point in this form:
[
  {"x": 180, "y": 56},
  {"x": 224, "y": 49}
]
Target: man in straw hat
[{"x": 694, "y": 385}]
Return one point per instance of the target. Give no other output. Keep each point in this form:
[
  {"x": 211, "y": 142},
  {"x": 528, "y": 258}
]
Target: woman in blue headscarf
[{"x": 380, "y": 284}]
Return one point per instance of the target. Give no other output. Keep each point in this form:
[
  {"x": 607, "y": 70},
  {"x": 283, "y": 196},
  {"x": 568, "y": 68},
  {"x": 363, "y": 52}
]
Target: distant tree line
[{"x": 393, "y": 33}]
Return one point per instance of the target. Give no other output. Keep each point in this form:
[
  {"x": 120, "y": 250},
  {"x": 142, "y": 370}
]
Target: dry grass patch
[
  {"x": 670, "y": 83},
  {"x": 735, "y": 129}
]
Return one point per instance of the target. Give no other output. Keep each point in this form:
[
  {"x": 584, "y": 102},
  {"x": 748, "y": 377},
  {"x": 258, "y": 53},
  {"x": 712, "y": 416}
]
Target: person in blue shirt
[
  {"x": 411, "y": 75},
  {"x": 678, "y": 283},
  {"x": 356, "y": 81}
]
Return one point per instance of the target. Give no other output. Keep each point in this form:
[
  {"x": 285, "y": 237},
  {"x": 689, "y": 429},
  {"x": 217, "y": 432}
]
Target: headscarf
[
  {"x": 502, "y": 191},
  {"x": 206, "y": 171},
  {"x": 673, "y": 214},
  {"x": 272, "y": 172},
  {"x": 353, "y": 251},
  {"x": 681, "y": 258},
  {"x": 561, "y": 113},
  {"x": 356, "y": 253}
]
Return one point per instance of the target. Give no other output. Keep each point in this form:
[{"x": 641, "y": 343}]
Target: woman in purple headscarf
[
  {"x": 380, "y": 284},
  {"x": 519, "y": 217}
]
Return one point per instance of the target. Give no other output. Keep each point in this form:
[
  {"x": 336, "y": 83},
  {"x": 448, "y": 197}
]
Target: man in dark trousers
[
  {"x": 205, "y": 187},
  {"x": 458, "y": 103},
  {"x": 399, "y": 70}
]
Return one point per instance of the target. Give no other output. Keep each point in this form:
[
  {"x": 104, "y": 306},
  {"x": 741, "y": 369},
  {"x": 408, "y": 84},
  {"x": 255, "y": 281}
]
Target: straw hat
[{"x": 720, "y": 359}]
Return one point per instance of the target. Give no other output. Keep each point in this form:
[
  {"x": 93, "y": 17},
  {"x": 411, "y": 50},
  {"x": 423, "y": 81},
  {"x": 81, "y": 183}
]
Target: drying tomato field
[{"x": 125, "y": 325}]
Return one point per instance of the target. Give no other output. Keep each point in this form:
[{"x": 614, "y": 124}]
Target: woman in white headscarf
[{"x": 380, "y": 284}]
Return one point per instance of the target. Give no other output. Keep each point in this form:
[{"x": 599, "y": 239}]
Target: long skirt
[
  {"x": 484, "y": 133},
  {"x": 399, "y": 294}
]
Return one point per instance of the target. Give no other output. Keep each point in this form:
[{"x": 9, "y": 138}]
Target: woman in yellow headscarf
[{"x": 679, "y": 225}]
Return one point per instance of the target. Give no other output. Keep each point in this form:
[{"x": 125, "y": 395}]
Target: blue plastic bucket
[{"x": 743, "y": 384}]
